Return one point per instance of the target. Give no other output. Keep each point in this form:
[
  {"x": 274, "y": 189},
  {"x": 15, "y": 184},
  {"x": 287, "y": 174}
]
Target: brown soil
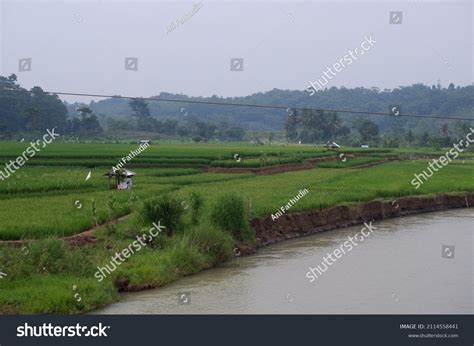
[
  {"x": 307, "y": 164},
  {"x": 375, "y": 163},
  {"x": 309, "y": 222},
  {"x": 263, "y": 170},
  {"x": 79, "y": 239},
  {"x": 300, "y": 224},
  {"x": 327, "y": 158}
]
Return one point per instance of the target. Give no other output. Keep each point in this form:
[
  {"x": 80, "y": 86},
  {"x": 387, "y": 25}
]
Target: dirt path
[
  {"x": 79, "y": 239},
  {"x": 269, "y": 170},
  {"x": 375, "y": 163}
]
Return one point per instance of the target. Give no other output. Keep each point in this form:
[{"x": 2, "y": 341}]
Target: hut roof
[{"x": 122, "y": 171}]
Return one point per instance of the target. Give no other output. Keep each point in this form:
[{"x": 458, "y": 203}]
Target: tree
[
  {"x": 409, "y": 137},
  {"x": 462, "y": 129},
  {"x": 444, "y": 130},
  {"x": 291, "y": 126},
  {"x": 368, "y": 131},
  {"x": 140, "y": 108},
  {"x": 424, "y": 139},
  {"x": 49, "y": 110},
  {"x": 84, "y": 112},
  {"x": 86, "y": 126},
  {"x": 311, "y": 123},
  {"x": 211, "y": 130},
  {"x": 117, "y": 124},
  {"x": 33, "y": 111},
  {"x": 148, "y": 124},
  {"x": 390, "y": 142},
  {"x": 170, "y": 126},
  {"x": 33, "y": 119},
  {"x": 234, "y": 133},
  {"x": 91, "y": 126},
  {"x": 229, "y": 132},
  {"x": 331, "y": 126},
  {"x": 271, "y": 137},
  {"x": 28, "y": 110},
  {"x": 318, "y": 125},
  {"x": 183, "y": 131}
]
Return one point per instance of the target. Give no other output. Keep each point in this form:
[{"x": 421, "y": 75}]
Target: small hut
[
  {"x": 332, "y": 145},
  {"x": 123, "y": 179}
]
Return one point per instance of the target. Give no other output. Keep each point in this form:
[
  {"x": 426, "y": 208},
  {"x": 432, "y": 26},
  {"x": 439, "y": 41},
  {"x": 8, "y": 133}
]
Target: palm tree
[
  {"x": 333, "y": 124},
  {"x": 409, "y": 137},
  {"x": 444, "y": 129},
  {"x": 291, "y": 126}
]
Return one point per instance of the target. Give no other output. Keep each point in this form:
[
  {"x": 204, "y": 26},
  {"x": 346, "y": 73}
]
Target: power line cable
[{"x": 246, "y": 105}]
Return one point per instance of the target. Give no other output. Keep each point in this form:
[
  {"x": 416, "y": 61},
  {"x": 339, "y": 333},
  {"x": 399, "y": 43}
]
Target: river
[{"x": 398, "y": 269}]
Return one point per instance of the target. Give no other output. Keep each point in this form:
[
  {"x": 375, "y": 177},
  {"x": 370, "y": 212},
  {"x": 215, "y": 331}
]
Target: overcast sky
[{"x": 81, "y": 46}]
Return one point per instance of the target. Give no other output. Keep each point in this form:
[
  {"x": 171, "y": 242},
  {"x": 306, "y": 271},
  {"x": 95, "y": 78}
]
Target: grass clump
[
  {"x": 213, "y": 242},
  {"x": 45, "y": 256},
  {"x": 196, "y": 207},
  {"x": 229, "y": 215},
  {"x": 53, "y": 294},
  {"x": 166, "y": 209}
]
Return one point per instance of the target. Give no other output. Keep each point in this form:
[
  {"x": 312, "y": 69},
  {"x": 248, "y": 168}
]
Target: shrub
[
  {"x": 185, "y": 257},
  {"x": 133, "y": 231},
  {"x": 165, "y": 208},
  {"x": 196, "y": 207},
  {"x": 45, "y": 256},
  {"x": 12, "y": 262},
  {"x": 48, "y": 255},
  {"x": 213, "y": 242},
  {"x": 229, "y": 215}
]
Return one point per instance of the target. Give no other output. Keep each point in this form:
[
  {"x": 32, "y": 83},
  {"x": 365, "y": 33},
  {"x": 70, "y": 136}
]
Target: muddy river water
[{"x": 419, "y": 264}]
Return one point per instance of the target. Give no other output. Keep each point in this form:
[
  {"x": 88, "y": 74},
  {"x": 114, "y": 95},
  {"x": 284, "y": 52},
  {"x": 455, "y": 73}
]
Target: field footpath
[
  {"x": 275, "y": 169},
  {"x": 375, "y": 163},
  {"x": 299, "y": 224},
  {"x": 79, "y": 239}
]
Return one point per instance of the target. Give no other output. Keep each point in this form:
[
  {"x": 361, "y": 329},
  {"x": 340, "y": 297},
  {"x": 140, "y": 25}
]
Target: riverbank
[
  {"x": 294, "y": 225},
  {"x": 301, "y": 224},
  {"x": 399, "y": 269},
  {"x": 50, "y": 289}
]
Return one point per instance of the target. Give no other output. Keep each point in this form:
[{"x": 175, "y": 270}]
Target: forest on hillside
[
  {"x": 417, "y": 99},
  {"x": 32, "y": 111}
]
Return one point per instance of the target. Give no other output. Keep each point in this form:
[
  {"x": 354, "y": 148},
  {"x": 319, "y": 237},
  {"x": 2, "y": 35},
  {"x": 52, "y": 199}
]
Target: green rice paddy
[{"x": 50, "y": 197}]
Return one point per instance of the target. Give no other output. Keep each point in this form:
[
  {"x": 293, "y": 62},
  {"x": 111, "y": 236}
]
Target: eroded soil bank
[{"x": 294, "y": 225}]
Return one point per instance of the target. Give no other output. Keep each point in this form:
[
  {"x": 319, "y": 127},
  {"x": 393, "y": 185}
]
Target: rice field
[
  {"x": 63, "y": 191},
  {"x": 48, "y": 198}
]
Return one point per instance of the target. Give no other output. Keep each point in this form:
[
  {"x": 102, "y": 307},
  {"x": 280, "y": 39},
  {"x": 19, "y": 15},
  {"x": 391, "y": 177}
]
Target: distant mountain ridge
[{"x": 417, "y": 99}]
